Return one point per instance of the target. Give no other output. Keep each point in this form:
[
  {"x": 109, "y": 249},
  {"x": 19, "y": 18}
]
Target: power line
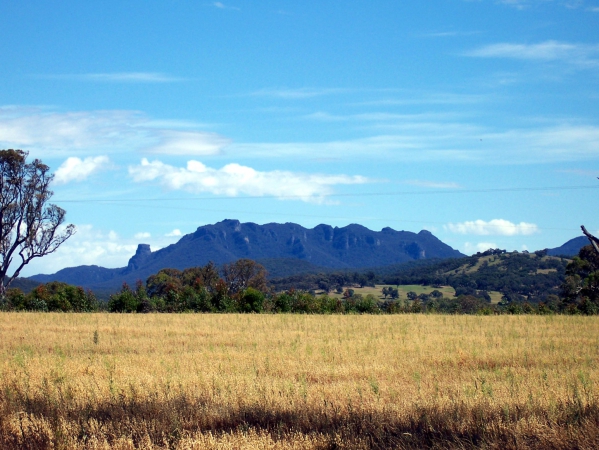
[
  {"x": 353, "y": 218},
  {"x": 363, "y": 194}
]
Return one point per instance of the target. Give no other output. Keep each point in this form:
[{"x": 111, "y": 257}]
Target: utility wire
[
  {"x": 320, "y": 216},
  {"x": 363, "y": 194}
]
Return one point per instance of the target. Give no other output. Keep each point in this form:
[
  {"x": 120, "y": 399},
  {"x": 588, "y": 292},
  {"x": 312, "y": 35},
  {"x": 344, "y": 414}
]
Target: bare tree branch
[{"x": 593, "y": 239}]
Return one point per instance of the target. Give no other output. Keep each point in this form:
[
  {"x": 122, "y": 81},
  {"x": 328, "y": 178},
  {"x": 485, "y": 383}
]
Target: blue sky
[{"x": 476, "y": 120}]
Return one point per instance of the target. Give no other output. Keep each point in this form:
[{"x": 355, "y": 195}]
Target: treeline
[{"x": 243, "y": 287}]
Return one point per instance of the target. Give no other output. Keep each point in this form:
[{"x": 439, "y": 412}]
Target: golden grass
[{"x": 86, "y": 381}]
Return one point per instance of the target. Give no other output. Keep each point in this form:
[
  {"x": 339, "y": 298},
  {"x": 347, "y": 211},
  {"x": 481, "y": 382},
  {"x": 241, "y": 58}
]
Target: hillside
[
  {"x": 276, "y": 245},
  {"x": 518, "y": 276}
]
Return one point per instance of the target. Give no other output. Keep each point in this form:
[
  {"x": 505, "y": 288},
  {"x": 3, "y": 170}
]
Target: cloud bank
[
  {"x": 499, "y": 227},
  {"x": 405, "y": 137},
  {"x": 235, "y": 179},
  {"x": 62, "y": 133}
]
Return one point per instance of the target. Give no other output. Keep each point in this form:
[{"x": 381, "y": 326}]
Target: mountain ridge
[{"x": 351, "y": 247}]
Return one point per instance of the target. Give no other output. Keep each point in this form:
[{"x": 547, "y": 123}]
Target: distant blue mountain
[
  {"x": 350, "y": 247},
  {"x": 570, "y": 248}
]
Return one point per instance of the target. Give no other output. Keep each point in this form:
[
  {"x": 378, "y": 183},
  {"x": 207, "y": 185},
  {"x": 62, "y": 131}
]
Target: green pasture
[{"x": 447, "y": 291}]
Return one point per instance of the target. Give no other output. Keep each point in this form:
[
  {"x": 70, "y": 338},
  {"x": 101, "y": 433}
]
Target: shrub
[
  {"x": 251, "y": 301},
  {"x": 124, "y": 301}
]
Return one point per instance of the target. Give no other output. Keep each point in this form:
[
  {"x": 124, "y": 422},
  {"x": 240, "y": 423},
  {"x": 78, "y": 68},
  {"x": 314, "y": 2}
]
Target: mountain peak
[{"x": 141, "y": 256}]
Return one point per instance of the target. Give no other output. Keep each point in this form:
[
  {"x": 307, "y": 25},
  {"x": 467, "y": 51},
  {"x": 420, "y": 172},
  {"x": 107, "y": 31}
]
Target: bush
[
  {"x": 125, "y": 301},
  {"x": 251, "y": 301}
]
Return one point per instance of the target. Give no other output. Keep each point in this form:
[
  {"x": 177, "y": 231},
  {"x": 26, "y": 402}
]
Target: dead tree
[{"x": 593, "y": 239}]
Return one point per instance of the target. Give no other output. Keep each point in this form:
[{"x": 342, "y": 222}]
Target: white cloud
[
  {"x": 174, "y": 233},
  {"x": 142, "y": 235},
  {"x": 426, "y": 140},
  {"x": 498, "y": 227},
  {"x": 76, "y": 169},
  {"x": 433, "y": 184},
  {"x": 583, "y": 55},
  {"x": 87, "y": 246},
  {"x": 118, "y": 77},
  {"x": 299, "y": 93},
  {"x": 235, "y": 179},
  {"x": 92, "y": 246},
  {"x": 470, "y": 248},
  {"x": 442, "y": 34},
  {"x": 189, "y": 143},
  {"x": 50, "y": 133},
  {"x": 398, "y": 137}
]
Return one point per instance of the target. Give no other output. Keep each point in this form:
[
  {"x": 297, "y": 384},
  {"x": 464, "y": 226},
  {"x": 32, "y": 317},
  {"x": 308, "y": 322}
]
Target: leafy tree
[
  {"x": 243, "y": 274},
  {"x": 580, "y": 289},
  {"x": 29, "y": 226},
  {"x": 165, "y": 281}
]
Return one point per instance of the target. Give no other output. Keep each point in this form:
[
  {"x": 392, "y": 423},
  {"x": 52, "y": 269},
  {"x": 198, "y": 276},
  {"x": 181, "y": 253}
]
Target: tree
[
  {"x": 29, "y": 226},
  {"x": 581, "y": 286},
  {"x": 245, "y": 273}
]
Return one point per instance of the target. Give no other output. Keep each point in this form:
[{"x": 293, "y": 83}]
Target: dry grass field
[{"x": 95, "y": 381}]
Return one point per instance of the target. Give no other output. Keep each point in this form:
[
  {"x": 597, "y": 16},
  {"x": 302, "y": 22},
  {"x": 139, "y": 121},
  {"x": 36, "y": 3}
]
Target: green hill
[{"x": 494, "y": 273}]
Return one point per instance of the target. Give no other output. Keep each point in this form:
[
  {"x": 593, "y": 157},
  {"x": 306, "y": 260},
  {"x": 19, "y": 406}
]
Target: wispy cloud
[
  {"x": 430, "y": 140},
  {"x": 63, "y": 133},
  {"x": 581, "y": 55},
  {"x": 442, "y": 34},
  {"x": 235, "y": 179},
  {"x": 299, "y": 93},
  {"x": 76, "y": 169},
  {"x": 582, "y": 172},
  {"x": 117, "y": 77},
  {"x": 525, "y": 4},
  {"x": 405, "y": 137},
  {"x": 429, "y": 98},
  {"x": 142, "y": 235},
  {"x": 518, "y": 4},
  {"x": 499, "y": 227},
  {"x": 174, "y": 233},
  {"x": 221, "y": 5},
  {"x": 433, "y": 184},
  {"x": 192, "y": 143}
]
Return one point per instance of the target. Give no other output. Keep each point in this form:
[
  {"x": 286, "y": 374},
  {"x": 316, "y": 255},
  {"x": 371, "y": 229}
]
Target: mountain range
[
  {"x": 284, "y": 249},
  {"x": 321, "y": 247}
]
